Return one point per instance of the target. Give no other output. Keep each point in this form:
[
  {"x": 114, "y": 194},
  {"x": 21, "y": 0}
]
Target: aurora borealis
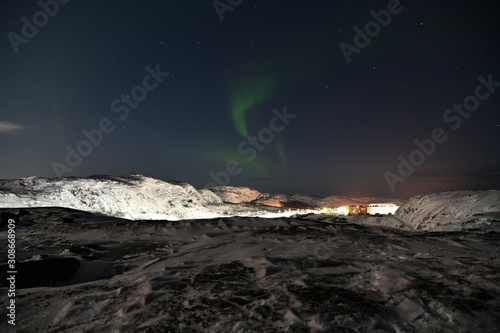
[
  {"x": 247, "y": 100},
  {"x": 228, "y": 77}
]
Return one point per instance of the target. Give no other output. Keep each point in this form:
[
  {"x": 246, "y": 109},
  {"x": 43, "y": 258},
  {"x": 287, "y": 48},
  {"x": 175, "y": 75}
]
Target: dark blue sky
[{"x": 89, "y": 67}]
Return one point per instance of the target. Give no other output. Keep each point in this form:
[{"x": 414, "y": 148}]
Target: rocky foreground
[{"x": 83, "y": 272}]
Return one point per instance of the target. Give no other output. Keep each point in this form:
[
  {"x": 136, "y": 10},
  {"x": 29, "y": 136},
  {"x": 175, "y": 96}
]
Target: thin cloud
[{"x": 8, "y": 127}]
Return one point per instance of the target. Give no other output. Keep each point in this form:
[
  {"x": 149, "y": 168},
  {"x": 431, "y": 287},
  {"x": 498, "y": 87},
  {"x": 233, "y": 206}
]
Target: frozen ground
[{"x": 310, "y": 273}]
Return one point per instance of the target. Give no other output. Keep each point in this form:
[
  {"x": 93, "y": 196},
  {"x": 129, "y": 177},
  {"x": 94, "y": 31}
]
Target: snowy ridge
[
  {"x": 134, "y": 197},
  {"x": 138, "y": 197},
  {"x": 131, "y": 197},
  {"x": 431, "y": 210},
  {"x": 236, "y": 195}
]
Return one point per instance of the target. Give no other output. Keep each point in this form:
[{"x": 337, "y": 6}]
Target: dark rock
[
  {"x": 78, "y": 249},
  {"x": 46, "y": 272},
  {"x": 6, "y": 216}
]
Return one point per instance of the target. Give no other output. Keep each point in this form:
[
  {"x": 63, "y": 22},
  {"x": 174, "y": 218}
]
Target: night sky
[{"x": 280, "y": 96}]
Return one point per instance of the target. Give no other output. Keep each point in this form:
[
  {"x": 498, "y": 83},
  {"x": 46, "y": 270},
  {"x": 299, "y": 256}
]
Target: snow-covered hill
[
  {"x": 431, "y": 210},
  {"x": 132, "y": 197},
  {"x": 236, "y": 195}
]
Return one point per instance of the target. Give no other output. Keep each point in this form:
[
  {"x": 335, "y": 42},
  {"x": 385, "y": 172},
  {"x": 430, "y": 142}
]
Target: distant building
[
  {"x": 357, "y": 210},
  {"x": 371, "y": 209},
  {"x": 343, "y": 210},
  {"x": 382, "y": 208}
]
